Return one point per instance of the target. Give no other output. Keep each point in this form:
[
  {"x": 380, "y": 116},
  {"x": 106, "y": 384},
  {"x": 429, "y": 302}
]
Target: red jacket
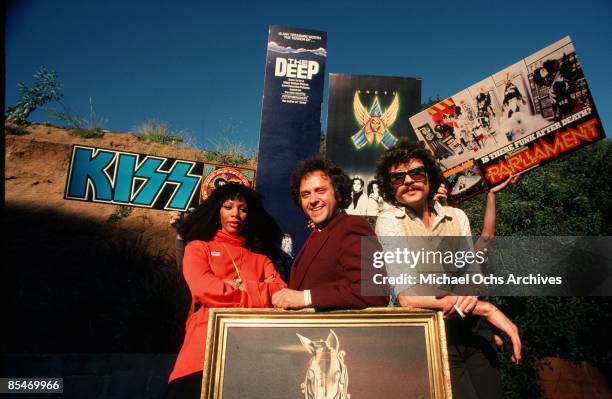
[
  {"x": 329, "y": 264},
  {"x": 206, "y": 265}
]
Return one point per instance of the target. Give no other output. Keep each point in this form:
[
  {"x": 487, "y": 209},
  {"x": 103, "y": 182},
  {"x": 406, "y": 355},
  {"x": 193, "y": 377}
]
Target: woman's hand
[
  {"x": 175, "y": 217},
  {"x": 235, "y": 284}
]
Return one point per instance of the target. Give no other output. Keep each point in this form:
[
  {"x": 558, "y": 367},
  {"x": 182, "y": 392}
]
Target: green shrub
[
  {"x": 15, "y": 129},
  {"x": 46, "y": 88},
  {"x": 227, "y": 149},
  {"x": 228, "y": 152},
  {"x": 573, "y": 197},
  {"x": 87, "y": 133},
  {"x": 153, "y": 131},
  {"x": 573, "y": 328},
  {"x": 85, "y": 127},
  {"x": 122, "y": 211},
  {"x": 225, "y": 158}
]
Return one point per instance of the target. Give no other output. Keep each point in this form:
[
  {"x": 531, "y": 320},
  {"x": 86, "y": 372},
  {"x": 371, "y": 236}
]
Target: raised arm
[{"x": 489, "y": 220}]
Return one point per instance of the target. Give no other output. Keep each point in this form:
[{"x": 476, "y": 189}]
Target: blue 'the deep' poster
[{"x": 290, "y": 118}]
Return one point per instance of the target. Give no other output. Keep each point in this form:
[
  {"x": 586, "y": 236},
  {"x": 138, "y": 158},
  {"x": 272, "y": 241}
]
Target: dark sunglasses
[{"x": 418, "y": 175}]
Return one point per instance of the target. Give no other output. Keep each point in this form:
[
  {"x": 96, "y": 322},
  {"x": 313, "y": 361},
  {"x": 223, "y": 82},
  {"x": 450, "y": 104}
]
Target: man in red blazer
[{"x": 326, "y": 273}]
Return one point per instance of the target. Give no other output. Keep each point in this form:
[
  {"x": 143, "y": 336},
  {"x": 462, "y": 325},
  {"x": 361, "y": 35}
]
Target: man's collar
[
  {"x": 335, "y": 215},
  {"x": 402, "y": 211}
]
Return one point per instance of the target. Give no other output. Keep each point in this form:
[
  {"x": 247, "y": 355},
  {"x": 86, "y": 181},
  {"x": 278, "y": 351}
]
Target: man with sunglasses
[{"x": 410, "y": 179}]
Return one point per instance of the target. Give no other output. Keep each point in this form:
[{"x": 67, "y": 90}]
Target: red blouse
[{"x": 206, "y": 265}]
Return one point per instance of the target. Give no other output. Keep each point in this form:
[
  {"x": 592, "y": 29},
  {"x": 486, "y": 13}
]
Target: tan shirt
[
  {"x": 449, "y": 221},
  {"x": 402, "y": 222}
]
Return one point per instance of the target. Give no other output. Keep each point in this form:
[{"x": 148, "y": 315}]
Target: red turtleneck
[{"x": 206, "y": 265}]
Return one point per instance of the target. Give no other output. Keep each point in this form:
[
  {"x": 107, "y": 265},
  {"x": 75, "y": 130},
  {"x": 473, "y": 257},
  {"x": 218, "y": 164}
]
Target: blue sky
[{"x": 199, "y": 65}]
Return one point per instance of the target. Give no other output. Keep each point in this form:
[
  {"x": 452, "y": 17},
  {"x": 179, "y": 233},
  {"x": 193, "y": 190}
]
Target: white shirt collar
[{"x": 402, "y": 211}]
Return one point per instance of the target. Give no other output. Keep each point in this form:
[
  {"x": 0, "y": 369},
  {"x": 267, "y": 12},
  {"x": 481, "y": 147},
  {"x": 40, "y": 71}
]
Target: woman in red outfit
[{"x": 224, "y": 265}]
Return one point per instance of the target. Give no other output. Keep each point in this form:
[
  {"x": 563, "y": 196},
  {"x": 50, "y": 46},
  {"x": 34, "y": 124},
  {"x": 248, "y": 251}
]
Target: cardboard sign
[
  {"x": 529, "y": 113},
  {"x": 366, "y": 116},
  {"x": 290, "y": 118},
  {"x": 146, "y": 181}
]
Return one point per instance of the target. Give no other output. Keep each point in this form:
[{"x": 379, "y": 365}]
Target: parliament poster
[{"x": 521, "y": 117}]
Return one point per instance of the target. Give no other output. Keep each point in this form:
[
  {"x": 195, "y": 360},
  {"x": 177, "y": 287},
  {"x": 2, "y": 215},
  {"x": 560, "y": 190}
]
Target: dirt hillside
[{"x": 36, "y": 171}]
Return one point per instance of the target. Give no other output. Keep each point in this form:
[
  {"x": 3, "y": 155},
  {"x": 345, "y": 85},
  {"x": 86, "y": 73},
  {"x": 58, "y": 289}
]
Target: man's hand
[
  {"x": 288, "y": 299},
  {"x": 442, "y": 193},
  {"x": 465, "y": 304},
  {"x": 501, "y": 321},
  {"x": 462, "y": 305},
  {"x": 512, "y": 179},
  {"x": 449, "y": 304}
]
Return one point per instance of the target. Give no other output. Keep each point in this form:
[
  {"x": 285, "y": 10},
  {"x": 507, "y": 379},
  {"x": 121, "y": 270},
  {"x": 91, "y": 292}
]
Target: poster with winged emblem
[{"x": 367, "y": 115}]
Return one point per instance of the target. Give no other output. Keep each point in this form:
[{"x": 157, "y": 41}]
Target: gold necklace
[{"x": 237, "y": 280}]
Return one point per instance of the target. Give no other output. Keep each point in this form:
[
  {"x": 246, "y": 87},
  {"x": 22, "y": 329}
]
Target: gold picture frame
[{"x": 375, "y": 353}]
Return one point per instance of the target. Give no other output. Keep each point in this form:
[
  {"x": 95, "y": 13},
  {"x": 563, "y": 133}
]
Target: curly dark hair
[
  {"x": 262, "y": 233},
  {"x": 340, "y": 181},
  {"x": 371, "y": 184},
  {"x": 402, "y": 151}
]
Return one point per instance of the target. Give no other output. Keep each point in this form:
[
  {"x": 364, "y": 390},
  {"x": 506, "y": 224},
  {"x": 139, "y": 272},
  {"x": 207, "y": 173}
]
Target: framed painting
[{"x": 370, "y": 353}]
